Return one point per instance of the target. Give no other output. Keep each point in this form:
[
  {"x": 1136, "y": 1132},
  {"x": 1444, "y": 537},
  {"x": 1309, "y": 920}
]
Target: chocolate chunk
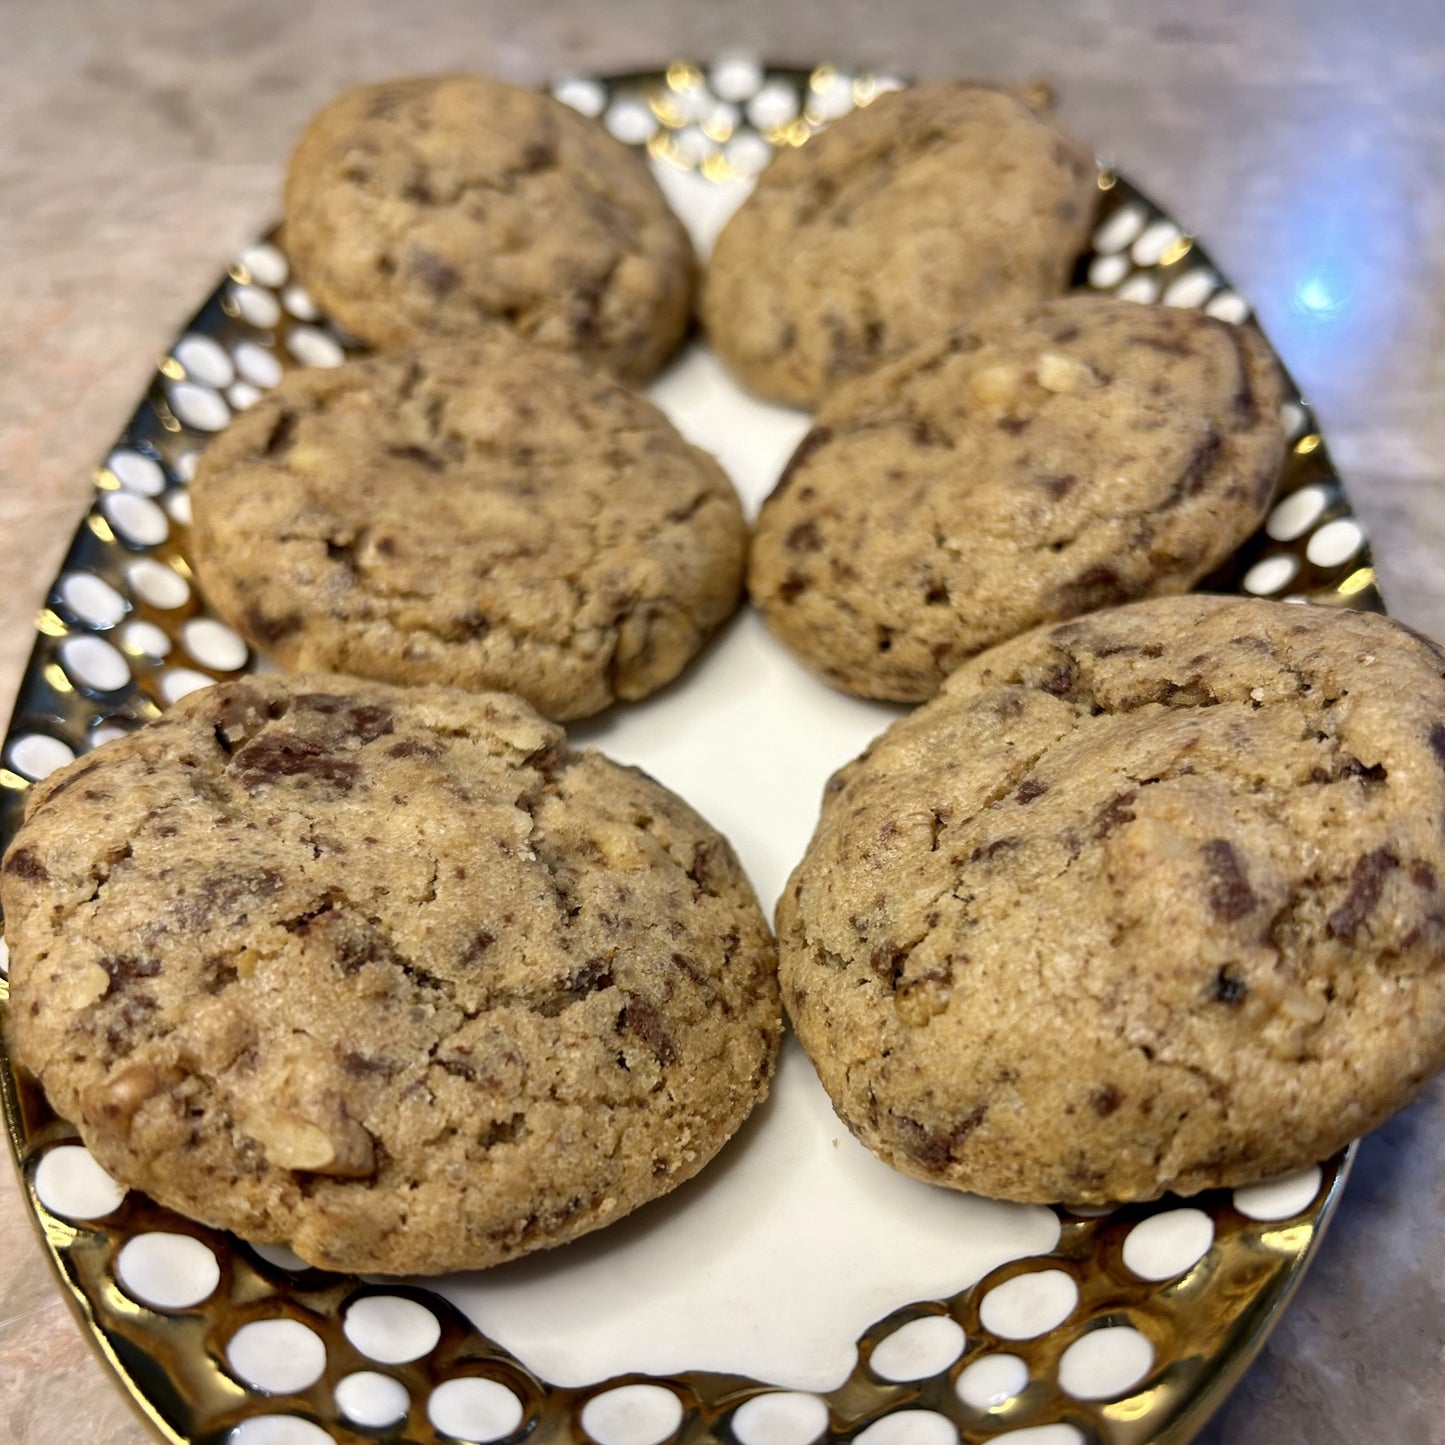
[
  {"x": 641, "y": 1018},
  {"x": 1105, "y": 1100},
  {"x": 481, "y": 942},
  {"x": 277, "y": 755},
  {"x": 935, "y": 1148},
  {"x": 1115, "y": 813},
  {"x": 1060, "y": 679},
  {"x": 1228, "y": 987},
  {"x": 1230, "y": 895},
  {"x": 1437, "y": 742},
  {"x": 24, "y": 863},
  {"x": 1190, "y": 481},
  {"x": 267, "y": 630},
  {"x": 125, "y": 968},
  {"x": 792, "y": 587},
  {"x": 1366, "y": 883},
  {"x": 1030, "y": 789}
]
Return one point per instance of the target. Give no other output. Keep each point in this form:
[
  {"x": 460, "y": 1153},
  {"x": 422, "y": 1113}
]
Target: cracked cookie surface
[
  {"x": 456, "y": 204},
  {"x": 391, "y": 976},
  {"x": 1151, "y": 900},
  {"x": 482, "y": 514},
  {"x": 1089, "y": 453},
  {"x": 932, "y": 206}
]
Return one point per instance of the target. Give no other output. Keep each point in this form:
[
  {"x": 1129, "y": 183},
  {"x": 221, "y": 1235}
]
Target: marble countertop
[{"x": 144, "y": 143}]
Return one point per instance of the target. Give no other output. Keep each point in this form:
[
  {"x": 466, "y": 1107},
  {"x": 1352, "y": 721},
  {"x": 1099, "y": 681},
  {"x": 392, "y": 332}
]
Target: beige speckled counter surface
[{"x": 142, "y": 141}]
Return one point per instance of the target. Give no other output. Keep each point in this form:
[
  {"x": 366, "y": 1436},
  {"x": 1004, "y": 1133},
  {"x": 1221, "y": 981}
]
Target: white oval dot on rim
[
  {"x": 158, "y": 585},
  {"x": 1269, "y": 574},
  {"x": 1156, "y": 239},
  {"x": 69, "y": 1183},
  {"x": 257, "y": 307},
  {"x": 909, "y": 1427},
  {"x": 735, "y": 77},
  {"x": 213, "y": 644},
  {"x": 178, "y": 504},
  {"x": 992, "y": 1381},
  {"x": 1192, "y": 289},
  {"x": 371, "y": 1400},
  {"x": 136, "y": 520},
  {"x": 279, "y": 1256},
  {"x": 1280, "y": 1198},
  {"x": 136, "y": 472},
  {"x": 1107, "y": 271},
  {"x": 258, "y": 365},
  {"x": 145, "y": 639},
  {"x": 197, "y": 406},
  {"x": 918, "y": 1349},
  {"x": 1293, "y": 418},
  {"x": 278, "y": 1430},
  {"x": 1120, "y": 229},
  {"x": 313, "y": 347},
  {"x": 297, "y": 300},
  {"x": 1228, "y": 306},
  {"x": 835, "y": 101},
  {"x": 4, "y": 958},
  {"x": 1140, "y": 287},
  {"x": 186, "y": 465},
  {"x": 1059, "y": 1434},
  {"x": 242, "y": 396},
  {"x": 265, "y": 263},
  {"x": 1336, "y": 542},
  {"x": 781, "y": 1417},
  {"x": 178, "y": 682},
  {"x": 168, "y": 1271},
  {"x": 474, "y": 1408},
  {"x": 92, "y": 599},
  {"x": 1295, "y": 514},
  {"x": 1165, "y": 1245},
  {"x": 1105, "y": 1363},
  {"x": 775, "y": 104},
  {"x": 204, "y": 359},
  {"x": 586, "y": 97},
  {"x": 279, "y": 1356},
  {"x": 1029, "y": 1305},
  {"x": 632, "y": 1415},
  {"x": 105, "y": 732},
  {"x": 391, "y": 1329},
  {"x": 748, "y": 152},
  {"x": 37, "y": 755},
  {"x": 631, "y": 120},
  {"x": 92, "y": 662}
]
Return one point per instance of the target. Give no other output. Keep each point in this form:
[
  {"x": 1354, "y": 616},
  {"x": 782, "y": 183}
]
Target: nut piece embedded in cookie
[
  {"x": 920, "y": 213},
  {"x": 392, "y": 976},
  {"x": 1151, "y": 900},
  {"x": 482, "y": 514},
  {"x": 458, "y": 205},
  {"x": 1086, "y": 453}
]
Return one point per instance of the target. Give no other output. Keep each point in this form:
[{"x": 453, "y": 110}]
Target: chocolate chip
[
  {"x": 24, "y": 863},
  {"x": 1228, "y": 987},
  {"x": 1057, "y": 486},
  {"x": 1437, "y": 743},
  {"x": 278, "y": 755},
  {"x": 420, "y": 455},
  {"x": 1195, "y": 472},
  {"x": 1230, "y": 895},
  {"x": 281, "y": 437},
  {"x": 1105, "y": 1100},
  {"x": 1014, "y": 425},
  {"x": 641, "y": 1018},
  {"x": 992, "y": 850},
  {"x": 1422, "y": 875},
  {"x": 792, "y": 587},
  {"x": 267, "y": 630},
  {"x": 481, "y": 942},
  {"x": 1115, "y": 813},
  {"x": 804, "y": 537},
  {"x": 434, "y": 273},
  {"x": 1030, "y": 789},
  {"x": 1366, "y": 884},
  {"x": 125, "y": 968},
  {"x": 925, "y": 434},
  {"x": 1097, "y": 586},
  {"x": 935, "y": 1148},
  {"x": 1059, "y": 680}
]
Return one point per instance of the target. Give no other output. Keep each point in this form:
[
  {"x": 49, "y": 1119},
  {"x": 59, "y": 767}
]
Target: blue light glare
[{"x": 1323, "y": 293}]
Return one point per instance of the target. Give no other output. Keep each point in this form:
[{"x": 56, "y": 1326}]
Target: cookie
[
  {"x": 918, "y": 214},
  {"x": 391, "y": 976},
  {"x": 455, "y": 205},
  {"x": 482, "y": 514},
  {"x": 1151, "y": 900},
  {"x": 1092, "y": 452}
]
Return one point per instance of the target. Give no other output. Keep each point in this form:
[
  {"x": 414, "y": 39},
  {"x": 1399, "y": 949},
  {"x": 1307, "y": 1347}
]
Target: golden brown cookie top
[
  {"x": 1087, "y": 453},
  {"x": 484, "y": 514},
  {"x": 915, "y": 215},
  {"x": 391, "y": 976},
  {"x": 455, "y": 205},
  {"x": 1152, "y": 900}
]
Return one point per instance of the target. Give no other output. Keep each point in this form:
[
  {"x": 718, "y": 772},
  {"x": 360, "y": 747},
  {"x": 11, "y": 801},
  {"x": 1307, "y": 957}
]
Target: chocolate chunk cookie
[
  {"x": 483, "y": 514},
  {"x": 1087, "y": 454},
  {"x": 1152, "y": 900},
  {"x": 455, "y": 205},
  {"x": 391, "y": 976},
  {"x": 908, "y": 218}
]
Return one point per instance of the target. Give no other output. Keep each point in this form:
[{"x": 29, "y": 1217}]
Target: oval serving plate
[{"x": 797, "y": 1289}]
